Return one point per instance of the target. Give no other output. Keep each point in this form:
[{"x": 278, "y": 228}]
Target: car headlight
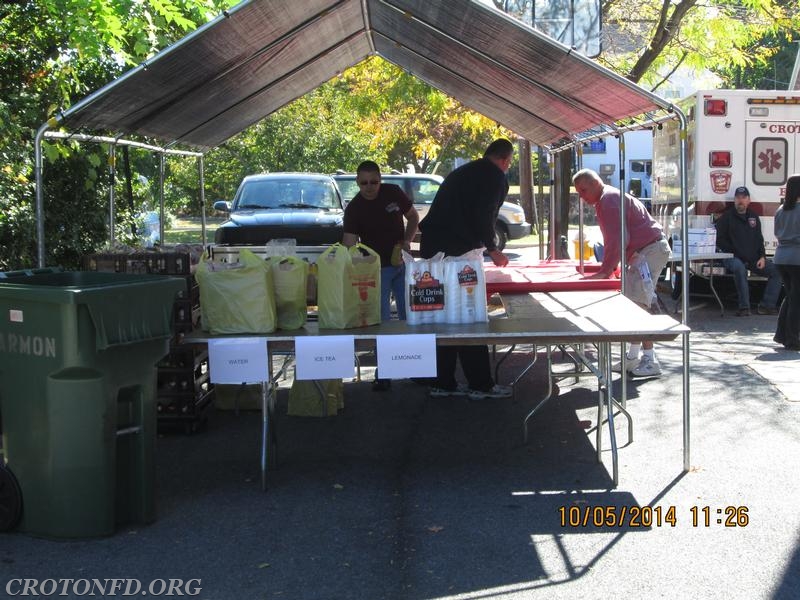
[{"x": 517, "y": 217}]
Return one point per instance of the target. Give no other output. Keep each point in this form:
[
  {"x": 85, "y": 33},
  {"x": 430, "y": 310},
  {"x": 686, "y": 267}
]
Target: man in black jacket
[
  {"x": 739, "y": 232},
  {"x": 461, "y": 219}
]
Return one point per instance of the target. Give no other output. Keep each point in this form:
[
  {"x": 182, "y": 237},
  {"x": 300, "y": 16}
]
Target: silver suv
[{"x": 422, "y": 188}]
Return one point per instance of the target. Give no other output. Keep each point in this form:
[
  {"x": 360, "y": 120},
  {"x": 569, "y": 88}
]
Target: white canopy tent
[{"x": 262, "y": 54}]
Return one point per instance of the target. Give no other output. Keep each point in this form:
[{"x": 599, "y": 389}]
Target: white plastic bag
[
  {"x": 465, "y": 288},
  {"x": 424, "y": 289},
  {"x": 640, "y": 286}
]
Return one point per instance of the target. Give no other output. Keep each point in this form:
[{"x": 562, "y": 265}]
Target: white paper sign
[
  {"x": 402, "y": 356},
  {"x": 238, "y": 360},
  {"x": 325, "y": 357}
]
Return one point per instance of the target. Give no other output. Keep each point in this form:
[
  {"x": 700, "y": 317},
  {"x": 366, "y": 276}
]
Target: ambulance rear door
[{"x": 771, "y": 155}]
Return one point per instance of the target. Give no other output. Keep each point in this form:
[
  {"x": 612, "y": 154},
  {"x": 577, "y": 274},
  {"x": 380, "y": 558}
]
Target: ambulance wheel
[{"x": 10, "y": 500}]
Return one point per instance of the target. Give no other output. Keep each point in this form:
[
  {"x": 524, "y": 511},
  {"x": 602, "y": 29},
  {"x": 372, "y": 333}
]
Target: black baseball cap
[{"x": 741, "y": 191}]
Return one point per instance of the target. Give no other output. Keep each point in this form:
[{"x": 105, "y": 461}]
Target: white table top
[
  {"x": 545, "y": 318},
  {"x": 702, "y": 256}
]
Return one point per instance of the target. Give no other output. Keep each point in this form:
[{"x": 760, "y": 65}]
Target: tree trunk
[{"x": 526, "y": 181}]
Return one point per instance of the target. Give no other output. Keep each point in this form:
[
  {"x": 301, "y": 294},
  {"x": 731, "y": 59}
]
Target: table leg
[
  {"x": 265, "y": 391},
  {"x": 598, "y": 433},
  {"x": 609, "y": 404},
  {"x": 710, "y": 278},
  {"x": 677, "y": 299},
  {"x": 323, "y": 396},
  {"x": 546, "y": 397},
  {"x": 267, "y": 410},
  {"x": 714, "y": 291},
  {"x": 500, "y": 362},
  {"x": 605, "y": 400},
  {"x": 522, "y": 373}
]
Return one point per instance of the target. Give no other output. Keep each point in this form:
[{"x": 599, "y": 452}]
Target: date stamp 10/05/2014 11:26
[{"x": 585, "y": 516}]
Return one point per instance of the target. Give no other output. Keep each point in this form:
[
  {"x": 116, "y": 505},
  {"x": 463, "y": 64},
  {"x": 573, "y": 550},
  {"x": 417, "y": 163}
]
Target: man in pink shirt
[{"x": 644, "y": 238}]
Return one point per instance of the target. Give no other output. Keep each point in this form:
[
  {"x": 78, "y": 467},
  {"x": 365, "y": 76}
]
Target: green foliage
[
  {"x": 774, "y": 72},
  {"x": 73, "y": 195},
  {"x": 646, "y": 40},
  {"x": 314, "y": 133},
  {"x": 17, "y": 220},
  {"x": 52, "y": 53},
  {"x": 413, "y": 122}
]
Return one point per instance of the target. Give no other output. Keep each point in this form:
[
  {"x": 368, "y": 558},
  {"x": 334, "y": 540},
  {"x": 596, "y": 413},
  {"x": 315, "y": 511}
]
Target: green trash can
[{"x": 77, "y": 393}]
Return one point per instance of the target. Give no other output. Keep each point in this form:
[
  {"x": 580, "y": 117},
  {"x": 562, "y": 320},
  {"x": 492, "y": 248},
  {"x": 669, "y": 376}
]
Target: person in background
[
  {"x": 644, "y": 238},
  {"x": 461, "y": 219},
  {"x": 739, "y": 232},
  {"x": 375, "y": 216},
  {"x": 787, "y": 261}
]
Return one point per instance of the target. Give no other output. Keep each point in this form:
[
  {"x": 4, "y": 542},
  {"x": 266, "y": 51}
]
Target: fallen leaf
[
  {"x": 338, "y": 486},
  {"x": 435, "y": 528},
  {"x": 264, "y": 566}
]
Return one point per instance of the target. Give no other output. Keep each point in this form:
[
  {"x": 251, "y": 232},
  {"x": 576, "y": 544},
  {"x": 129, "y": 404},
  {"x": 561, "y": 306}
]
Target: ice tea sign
[{"x": 325, "y": 356}]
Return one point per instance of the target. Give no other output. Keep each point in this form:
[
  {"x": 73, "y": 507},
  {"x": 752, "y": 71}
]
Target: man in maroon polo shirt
[{"x": 644, "y": 238}]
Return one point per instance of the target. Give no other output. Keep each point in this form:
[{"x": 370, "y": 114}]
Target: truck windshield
[{"x": 286, "y": 193}]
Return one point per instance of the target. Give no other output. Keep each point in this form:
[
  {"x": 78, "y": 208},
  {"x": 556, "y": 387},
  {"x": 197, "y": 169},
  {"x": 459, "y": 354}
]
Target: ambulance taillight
[
  {"x": 719, "y": 158},
  {"x": 715, "y": 107}
]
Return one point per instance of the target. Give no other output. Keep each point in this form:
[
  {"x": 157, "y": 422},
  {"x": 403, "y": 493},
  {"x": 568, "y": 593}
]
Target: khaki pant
[{"x": 656, "y": 255}]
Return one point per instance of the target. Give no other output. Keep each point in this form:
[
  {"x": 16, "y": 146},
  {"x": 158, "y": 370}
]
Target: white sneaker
[
  {"x": 647, "y": 367},
  {"x": 460, "y": 390},
  {"x": 630, "y": 365},
  {"x": 497, "y": 391}
]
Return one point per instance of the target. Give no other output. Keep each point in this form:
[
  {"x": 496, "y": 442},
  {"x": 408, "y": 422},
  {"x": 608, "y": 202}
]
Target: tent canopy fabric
[{"x": 263, "y": 54}]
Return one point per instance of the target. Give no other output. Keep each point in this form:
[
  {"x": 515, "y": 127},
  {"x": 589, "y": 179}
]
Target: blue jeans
[
  {"x": 739, "y": 271},
  {"x": 393, "y": 281}
]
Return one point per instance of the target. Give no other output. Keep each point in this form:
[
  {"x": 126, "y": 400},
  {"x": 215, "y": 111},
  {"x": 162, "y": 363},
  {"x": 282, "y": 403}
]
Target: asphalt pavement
[{"x": 402, "y": 496}]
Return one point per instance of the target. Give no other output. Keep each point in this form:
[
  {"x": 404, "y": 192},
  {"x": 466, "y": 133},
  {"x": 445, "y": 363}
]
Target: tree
[
  {"x": 415, "y": 123},
  {"x": 689, "y": 34},
  {"x": 647, "y": 40},
  {"x": 774, "y": 74},
  {"x": 54, "y": 52}
]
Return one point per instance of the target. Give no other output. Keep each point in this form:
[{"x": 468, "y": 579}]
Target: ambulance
[{"x": 734, "y": 138}]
